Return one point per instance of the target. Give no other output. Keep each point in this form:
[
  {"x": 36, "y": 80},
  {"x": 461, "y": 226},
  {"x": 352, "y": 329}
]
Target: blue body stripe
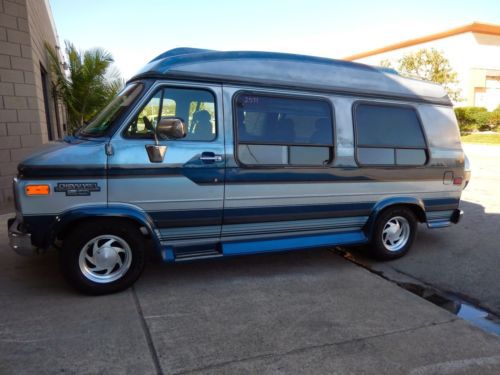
[
  {"x": 441, "y": 204},
  {"x": 284, "y": 213},
  {"x": 196, "y": 218},
  {"x": 293, "y": 243},
  {"x": 186, "y": 218},
  {"x": 218, "y": 173}
]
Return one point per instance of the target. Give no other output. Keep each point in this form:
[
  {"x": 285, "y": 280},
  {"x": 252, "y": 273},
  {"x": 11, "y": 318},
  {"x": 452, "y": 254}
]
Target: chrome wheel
[
  {"x": 396, "y": 233},
  {"x": 105, "y": 259}
]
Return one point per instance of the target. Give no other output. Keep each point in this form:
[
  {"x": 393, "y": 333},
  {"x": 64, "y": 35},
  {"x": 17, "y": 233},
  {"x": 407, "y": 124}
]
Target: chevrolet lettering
[{"x": 77, "y": 188}]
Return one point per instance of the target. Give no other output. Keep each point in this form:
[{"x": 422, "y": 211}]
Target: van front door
[{"x": 183, "y": 191}]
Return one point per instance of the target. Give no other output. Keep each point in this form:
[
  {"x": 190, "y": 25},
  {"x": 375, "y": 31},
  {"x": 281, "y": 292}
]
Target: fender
[
  {"x": 65, "y": 219},
  {"x": 393, "y": 201}
]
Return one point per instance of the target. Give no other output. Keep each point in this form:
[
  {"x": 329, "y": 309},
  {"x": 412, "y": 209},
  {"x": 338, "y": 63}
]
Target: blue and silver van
[{"x": 208, "y": 154}]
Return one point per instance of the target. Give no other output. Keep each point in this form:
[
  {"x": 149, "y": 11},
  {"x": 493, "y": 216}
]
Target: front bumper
[{"x": 20, "y": 241}]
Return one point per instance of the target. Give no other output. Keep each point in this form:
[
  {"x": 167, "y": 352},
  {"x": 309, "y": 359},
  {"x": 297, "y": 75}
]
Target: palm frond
[{"x": 89, "y": 85}]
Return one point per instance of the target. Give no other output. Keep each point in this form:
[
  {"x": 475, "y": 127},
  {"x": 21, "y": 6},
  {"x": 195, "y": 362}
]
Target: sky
[{"x": 135, "y": 31}]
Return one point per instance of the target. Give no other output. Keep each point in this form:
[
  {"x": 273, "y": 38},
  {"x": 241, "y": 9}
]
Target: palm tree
[{"x": 89, "y": 86}]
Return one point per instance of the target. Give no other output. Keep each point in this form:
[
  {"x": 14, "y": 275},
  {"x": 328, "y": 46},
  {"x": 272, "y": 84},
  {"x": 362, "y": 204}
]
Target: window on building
[
  {"x": 58, "y": 120},
  {"x": 274, "y": 130},
  {"x": 195, "y": 107},
  {"x": 45, "y": 92},
  {"x": 489, "y": 95},
  {"x": 388, "y": 135}
]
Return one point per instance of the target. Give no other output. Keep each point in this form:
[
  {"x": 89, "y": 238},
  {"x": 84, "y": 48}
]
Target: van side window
[
  {"x": 388, "y": 135},
  {"x": 273, "y": 130},
  {"x": 195, "y": 107}
]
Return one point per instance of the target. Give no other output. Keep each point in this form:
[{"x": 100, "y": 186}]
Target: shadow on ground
[{"x": 463, "y": 259}]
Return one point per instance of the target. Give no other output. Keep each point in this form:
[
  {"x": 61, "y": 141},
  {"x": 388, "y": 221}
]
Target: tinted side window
[
  {"x": 274, "y": 130},
  {"x": 388, "y": 135},
  {"x": 195, "y": 107}
]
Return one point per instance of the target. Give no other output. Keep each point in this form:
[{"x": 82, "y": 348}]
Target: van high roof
[{"x": 299, "y": 72}]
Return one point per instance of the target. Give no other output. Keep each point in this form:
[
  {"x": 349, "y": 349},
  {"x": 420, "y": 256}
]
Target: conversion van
[{"x": 208, "y": 154}]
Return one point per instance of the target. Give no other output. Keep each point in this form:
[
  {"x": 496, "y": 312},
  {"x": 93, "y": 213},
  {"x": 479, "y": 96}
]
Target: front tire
[
  {"x": 394, "y": 233},
  {"x": 103, "y": 257}
]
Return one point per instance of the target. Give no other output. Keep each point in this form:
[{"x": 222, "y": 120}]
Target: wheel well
[
  {"x": 415, "y": 208},
  {"x": 68, "y": 227}
]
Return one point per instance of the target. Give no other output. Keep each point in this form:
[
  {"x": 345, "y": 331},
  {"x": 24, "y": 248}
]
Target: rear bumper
[
  {"x": 456, "y": 216},
  {"x": 443, "y": 219},
  {"x": 19, "y": 240},
  {"x": 467, "y": 174}
]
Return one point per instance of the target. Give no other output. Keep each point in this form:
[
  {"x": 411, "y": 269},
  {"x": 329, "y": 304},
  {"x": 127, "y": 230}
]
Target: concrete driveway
[
  {"x": 302, "y": 312},
  {"x": 463, "y": 259}
]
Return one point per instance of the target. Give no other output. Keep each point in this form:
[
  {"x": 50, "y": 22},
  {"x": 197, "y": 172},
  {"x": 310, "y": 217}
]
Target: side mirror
[{"x": 171, "y": 128}]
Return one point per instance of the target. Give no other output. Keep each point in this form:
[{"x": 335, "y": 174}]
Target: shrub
[
  {"x": 495, "y": 119},
  {"x": 463, "y": 122},
  {"x": 473, "y": 118}
]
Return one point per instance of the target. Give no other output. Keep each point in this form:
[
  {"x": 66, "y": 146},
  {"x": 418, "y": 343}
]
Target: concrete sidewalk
[{"x": 302, "y": 312}]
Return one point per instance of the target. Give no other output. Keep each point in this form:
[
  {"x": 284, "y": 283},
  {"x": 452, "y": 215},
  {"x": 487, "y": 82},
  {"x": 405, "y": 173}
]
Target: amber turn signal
[{"x": 37, "y": 190}]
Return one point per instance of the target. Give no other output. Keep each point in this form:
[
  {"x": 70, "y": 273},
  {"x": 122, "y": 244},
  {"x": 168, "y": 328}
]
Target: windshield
[{"x": 101, "y": 123}]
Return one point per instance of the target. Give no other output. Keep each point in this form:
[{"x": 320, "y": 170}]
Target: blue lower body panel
[
  {"x": 224, "y": 249},
  {"x": 293, "y": 243}
]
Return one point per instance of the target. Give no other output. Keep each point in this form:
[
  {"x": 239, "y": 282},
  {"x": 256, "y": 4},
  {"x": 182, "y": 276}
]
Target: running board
[
  {"x": 217, "y": 250},
  {"x": 439, "y": 223},
  {"x": 186, "y": 254},
  {"x": 443, "y": 219}
]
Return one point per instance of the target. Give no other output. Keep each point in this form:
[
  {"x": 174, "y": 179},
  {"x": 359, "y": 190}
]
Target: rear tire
[
  {"x": 103, "y": 257},
  {"x": 394, "y": 233}
]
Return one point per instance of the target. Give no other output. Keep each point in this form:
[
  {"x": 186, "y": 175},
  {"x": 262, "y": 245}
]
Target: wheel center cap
[
  {"x": 106, "y": 257},
  {"x": 393, "y": 230}
]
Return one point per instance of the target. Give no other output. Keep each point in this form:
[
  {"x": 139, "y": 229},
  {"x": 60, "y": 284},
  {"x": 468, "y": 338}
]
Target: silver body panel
[
  {"x": 84, "y": 156},
  {"x": 57, "y": 203}
]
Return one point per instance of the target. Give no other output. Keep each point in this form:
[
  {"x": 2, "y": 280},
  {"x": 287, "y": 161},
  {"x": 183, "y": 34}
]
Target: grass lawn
[{"x": 484, "y": 138}]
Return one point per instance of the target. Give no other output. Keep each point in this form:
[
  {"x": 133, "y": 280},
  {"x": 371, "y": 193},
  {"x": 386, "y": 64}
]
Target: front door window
[{"x": 195, "y": 107}]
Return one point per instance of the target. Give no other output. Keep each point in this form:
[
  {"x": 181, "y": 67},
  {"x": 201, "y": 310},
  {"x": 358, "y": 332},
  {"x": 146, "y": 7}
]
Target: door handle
[{"x": 210, "y": 157}]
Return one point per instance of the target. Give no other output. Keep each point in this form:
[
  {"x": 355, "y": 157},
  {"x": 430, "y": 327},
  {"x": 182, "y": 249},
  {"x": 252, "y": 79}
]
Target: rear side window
[
  {"x": 388, "y": 135},
  {"x": 273, "y": 130}
]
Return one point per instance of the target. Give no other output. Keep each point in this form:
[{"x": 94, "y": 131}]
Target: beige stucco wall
[
  {"x": 471, "y": 55},
  {"x": 24, "y": 27}
]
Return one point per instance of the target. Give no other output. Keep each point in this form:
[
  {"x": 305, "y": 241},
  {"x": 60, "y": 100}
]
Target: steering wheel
[{"x": 148, "y": 124}]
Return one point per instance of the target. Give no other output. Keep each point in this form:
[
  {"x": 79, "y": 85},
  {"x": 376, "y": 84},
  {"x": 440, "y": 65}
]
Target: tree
[
  {"x": 431, "y": 65},
  {"x": 89, "y": 86}
]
